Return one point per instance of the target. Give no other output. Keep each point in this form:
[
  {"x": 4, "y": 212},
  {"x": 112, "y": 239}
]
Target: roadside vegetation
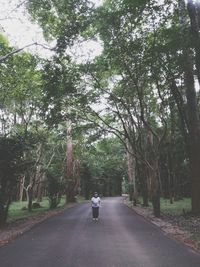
[
  {"x": 18, "y": 210},
  {"x": 178, "y": 214},
  {"x": 125, "y": 121}
]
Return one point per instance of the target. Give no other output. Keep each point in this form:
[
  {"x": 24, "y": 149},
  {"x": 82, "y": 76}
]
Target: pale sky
[
  {"x": 20, "y": 31},
  {"x": 16, "y": 26}
]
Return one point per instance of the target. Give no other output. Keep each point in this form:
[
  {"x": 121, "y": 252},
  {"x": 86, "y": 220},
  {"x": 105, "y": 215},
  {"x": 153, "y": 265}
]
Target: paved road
[{"x": 120, "y": 238}]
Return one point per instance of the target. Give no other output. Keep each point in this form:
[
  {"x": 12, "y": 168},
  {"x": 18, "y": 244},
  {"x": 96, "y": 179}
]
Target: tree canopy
[{"x": 129, "y": 116}]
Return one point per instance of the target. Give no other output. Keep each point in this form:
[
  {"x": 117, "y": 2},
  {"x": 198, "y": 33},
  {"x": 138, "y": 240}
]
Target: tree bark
[
  {"x": 40, "y": 188},
  {"x": 131, "y": 174},
  {"x": 21, "y": 188},
  {"x": 193, "y": 115},
  {"x": 70, "y": 194},
  {"x": 154, "y": 175},
  {"x": 142, "y": 173},
  {"x": 30, "y": 198}
]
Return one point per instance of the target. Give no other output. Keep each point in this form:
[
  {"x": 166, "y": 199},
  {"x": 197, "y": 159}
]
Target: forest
[{"x": 124, "y": 122}]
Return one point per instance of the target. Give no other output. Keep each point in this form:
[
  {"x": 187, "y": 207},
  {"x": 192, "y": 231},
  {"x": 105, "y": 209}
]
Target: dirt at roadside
[{"x": 185, "y": 228}]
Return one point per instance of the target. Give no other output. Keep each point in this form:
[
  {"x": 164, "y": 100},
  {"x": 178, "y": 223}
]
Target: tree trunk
[
  {"x": 131, "y": 174},
  {"x": 70, "y": 194},
  {"x": 145, "y": 194},
  {"x": 21, "y": 188},
  {"x": 170, "y": 154},
  {"x": 30, "y": 198},
  {"x": 154, "y": 175},
  {"x": 155, "y": 188},
  {"x": 29, "y": 191},
  {"x": 40, "y": 188},
  {"x": 4, "y": 213},
  {"x": 193, "y": 115},
  {"x": 76, "y": 175}
]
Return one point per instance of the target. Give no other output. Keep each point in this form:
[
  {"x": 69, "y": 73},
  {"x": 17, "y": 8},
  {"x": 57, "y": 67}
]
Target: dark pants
[{"x": 95, "y": 212}]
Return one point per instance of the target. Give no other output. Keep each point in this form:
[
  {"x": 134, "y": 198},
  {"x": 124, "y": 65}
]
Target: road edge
[
  {"x": 11, "y": 232},
  {"x": 166, "y": 227}
]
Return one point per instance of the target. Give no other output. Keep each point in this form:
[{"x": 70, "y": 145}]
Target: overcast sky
[{"x": 15, "y": 24}]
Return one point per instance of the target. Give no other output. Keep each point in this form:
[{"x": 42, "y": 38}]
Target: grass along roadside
[
  {"x": 179, "y": 207},
  {"x": 179, "y": 214},
  {"x": 20, "y": 220},
  {"x": 18, "y": 210},
  {"x": 176, "y": 220}
]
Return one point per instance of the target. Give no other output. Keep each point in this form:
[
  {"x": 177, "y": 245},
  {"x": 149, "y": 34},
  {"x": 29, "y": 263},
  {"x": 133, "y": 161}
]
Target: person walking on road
[{"x": 95, "y": 201}]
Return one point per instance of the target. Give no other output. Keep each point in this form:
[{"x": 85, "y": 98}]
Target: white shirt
[{"x": 95, "y": 202}]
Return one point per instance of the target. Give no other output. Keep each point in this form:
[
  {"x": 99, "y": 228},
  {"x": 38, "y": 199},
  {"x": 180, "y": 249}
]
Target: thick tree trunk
[
  {"x": 154, "y": 175},
  {"x": 193, "y": 113}
]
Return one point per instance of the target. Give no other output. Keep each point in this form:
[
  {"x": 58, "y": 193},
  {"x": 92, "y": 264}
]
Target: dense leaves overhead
[
  {"x": 60, "y": 80},
  {"x": 142, "y": 88},
  {"x": 63, "y": 19}
]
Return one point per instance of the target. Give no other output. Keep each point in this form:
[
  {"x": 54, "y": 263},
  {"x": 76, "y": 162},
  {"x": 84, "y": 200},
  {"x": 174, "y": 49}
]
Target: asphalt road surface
[{"x": 120, "y": 238}]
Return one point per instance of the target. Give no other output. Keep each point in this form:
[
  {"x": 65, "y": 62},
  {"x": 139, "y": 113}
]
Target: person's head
[{"x": 95, "y": 194}]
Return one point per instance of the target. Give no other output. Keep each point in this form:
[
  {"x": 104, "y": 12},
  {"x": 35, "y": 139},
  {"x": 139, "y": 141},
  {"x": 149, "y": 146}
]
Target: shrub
[
  {"x": 54, "y": 186},
  {"x": 11, "y": 166}
]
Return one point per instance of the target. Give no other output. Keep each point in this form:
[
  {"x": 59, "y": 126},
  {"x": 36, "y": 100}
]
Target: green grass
[
  {"x": 174, "y": 209},
  {"x": 177, "y": 207},
  {"x": 16, "y": 212}
]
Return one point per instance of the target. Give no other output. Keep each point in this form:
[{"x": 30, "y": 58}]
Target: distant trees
[
  {"x": 148, "y": 76},
  {"x": 143, "y": 89},
  {"x": 38, "y": 99},
  {"x": 103, "y": 167}
]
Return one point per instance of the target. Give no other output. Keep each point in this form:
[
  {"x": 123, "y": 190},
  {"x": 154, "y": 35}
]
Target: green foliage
[
  {"x": 126, "y": 91},
  {"x": 60, "y": 78},
  {"x": 86, "y": 177},
  {"x": 3, "y": 43},
  {"x": 63, "y": 20},
  {"x": 11, "y": 166},
  {"x": 18, "y": 210},
  {"x": 178, "y": 207},
  {"x": 105, "y": 167},
  {"x": 54, "y": 187}
]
